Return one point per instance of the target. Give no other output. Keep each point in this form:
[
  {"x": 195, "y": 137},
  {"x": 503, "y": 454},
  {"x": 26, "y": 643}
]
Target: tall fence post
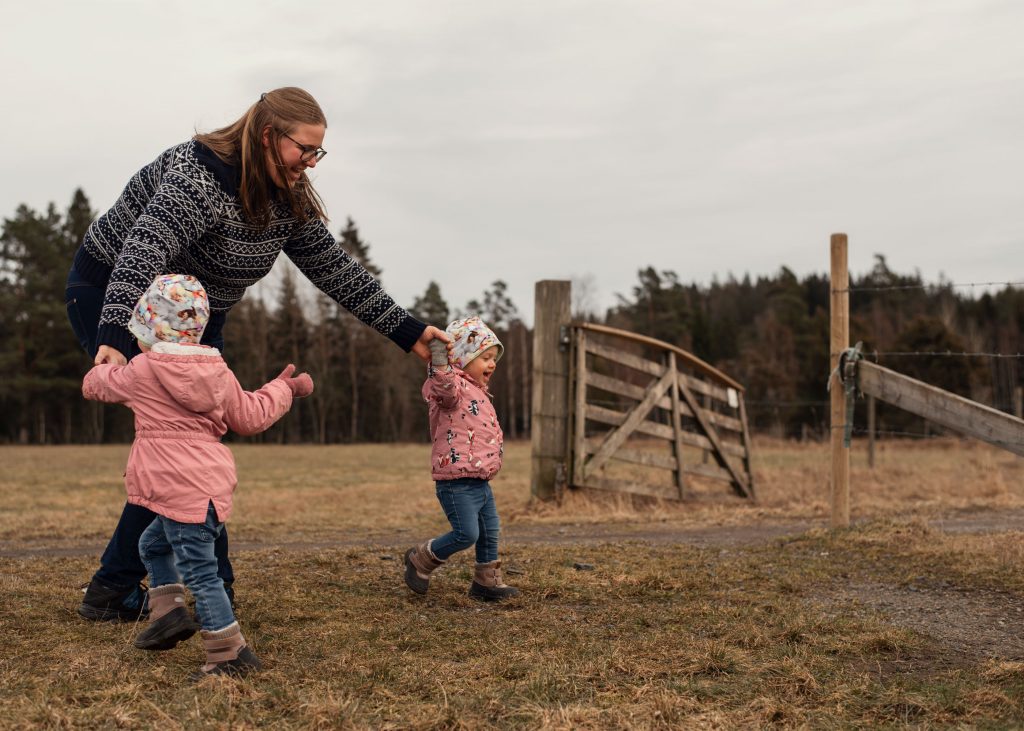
[
  {"x": 839, "y": 341},
  {"x": 550, "y": 407},
  {"x": 871, "y": 431}
]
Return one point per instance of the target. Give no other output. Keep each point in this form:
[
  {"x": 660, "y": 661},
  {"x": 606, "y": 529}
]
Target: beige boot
[
  {"x": 169, "y": 620},
  {"x": 227, "y": 654},
  {"x": 487, "y": 584},
  {"x": 420, "y": 563}
]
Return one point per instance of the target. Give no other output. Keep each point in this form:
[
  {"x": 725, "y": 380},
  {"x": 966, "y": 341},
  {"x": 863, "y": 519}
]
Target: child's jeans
[
  {"x": 183, "y": 553},
  {"x": 469, "y": 507}
]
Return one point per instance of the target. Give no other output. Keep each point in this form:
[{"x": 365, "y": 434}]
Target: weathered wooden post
[
  {"x": 839, "y": 341},
  {"x": 550, "y": 411},
  {"x": 871, "y": 431}
]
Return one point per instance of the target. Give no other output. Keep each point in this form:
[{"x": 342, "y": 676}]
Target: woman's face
[{"x": 299, "y": 142}]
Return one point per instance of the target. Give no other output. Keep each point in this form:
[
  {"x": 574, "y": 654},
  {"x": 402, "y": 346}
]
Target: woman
[{"x": 220, "y": 207}]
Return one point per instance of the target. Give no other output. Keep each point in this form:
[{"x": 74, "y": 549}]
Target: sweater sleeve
[
  {"x": 180, "y": 208},
  {"x": 442, "y": 387},
  {"x": 338, "y": 275},
  {"x": 111, "y": 384},
  {"x": 251, "y": 412}
]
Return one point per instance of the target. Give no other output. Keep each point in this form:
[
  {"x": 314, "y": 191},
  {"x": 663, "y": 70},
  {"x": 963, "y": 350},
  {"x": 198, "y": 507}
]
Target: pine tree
[
  {"x": 431, "y": 307},
  {"x": 40, "y": 356}
]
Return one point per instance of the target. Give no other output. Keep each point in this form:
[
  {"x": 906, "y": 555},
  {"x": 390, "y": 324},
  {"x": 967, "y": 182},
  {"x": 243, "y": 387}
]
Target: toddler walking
[
  {"x": 185, "y": 398},
  {"x": 466, "y": 454}
]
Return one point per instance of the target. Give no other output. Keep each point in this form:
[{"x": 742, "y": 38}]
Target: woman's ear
[{"x": 266, "y": 136}]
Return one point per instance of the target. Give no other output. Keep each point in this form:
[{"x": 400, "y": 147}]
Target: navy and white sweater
[{"x": 181, "y": 214}]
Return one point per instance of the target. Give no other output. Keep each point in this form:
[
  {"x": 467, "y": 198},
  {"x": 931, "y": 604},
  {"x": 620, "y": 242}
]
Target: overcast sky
[{"x": 478, "y": 140}]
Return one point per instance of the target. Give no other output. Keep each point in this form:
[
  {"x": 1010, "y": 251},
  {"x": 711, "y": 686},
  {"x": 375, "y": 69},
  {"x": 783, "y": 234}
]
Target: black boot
[{"x": 109, "y": 603}]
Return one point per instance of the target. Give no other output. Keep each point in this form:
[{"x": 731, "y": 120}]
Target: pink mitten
[{"x": 301, "y": 385}]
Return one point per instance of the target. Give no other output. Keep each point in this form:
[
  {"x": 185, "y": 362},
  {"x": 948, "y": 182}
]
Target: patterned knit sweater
[{"x": 181, "y": 214}]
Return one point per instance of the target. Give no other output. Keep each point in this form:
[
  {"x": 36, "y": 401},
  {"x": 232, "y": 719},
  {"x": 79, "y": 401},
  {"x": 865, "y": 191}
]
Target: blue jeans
[
  {"x": 469, "y": 506},
  {"x": 177, "y": 553},
  {"x": 120, "y": 565}
]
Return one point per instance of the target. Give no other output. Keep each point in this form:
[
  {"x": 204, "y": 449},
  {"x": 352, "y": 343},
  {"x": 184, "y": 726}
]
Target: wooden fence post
[
  {"x": 550, "y": 407},
  {"x": 839, "y": 341},
  {"x": 871, "y": 431}
]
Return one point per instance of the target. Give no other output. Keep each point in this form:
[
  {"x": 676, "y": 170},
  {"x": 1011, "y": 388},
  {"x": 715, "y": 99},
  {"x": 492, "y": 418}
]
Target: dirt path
[{"x": 567, "y": 534}]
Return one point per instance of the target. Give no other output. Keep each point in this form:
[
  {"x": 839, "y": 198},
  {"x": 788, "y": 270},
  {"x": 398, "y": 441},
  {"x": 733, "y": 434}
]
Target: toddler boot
[
  {"x": 420, "y": 563},
  {"x": 227, "y": 654},
  {"x": 487, "y": 584},
  {"x": 169, "y": 620}
]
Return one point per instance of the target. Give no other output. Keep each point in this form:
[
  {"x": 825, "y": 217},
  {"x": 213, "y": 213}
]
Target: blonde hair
[{"x": 241, "y": 144}]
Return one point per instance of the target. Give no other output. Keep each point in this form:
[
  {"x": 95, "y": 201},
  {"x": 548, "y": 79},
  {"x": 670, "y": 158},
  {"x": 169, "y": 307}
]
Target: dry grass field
[{"x": 693, "y": 616}]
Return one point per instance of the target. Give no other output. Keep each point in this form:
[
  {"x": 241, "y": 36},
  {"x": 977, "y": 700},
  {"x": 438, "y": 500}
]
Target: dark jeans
[
  {"x": 469, "y": 506},
  {"x": 120, "y": 564}
]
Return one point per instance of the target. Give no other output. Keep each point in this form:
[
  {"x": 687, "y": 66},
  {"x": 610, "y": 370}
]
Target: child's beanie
[
  {"x": 175, "y": 309},
  {"x": 470, "y": 337}
]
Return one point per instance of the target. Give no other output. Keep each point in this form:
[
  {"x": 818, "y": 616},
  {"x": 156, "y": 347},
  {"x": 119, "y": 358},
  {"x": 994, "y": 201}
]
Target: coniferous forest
[{"x": 769, "y": 332}]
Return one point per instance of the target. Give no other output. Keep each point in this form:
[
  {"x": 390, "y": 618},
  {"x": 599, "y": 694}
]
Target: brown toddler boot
[
  {"x": 420, "y": 563},
  {"x": 169, "y": 620},
  {"x": 227, "y": 654},
  {"x": 487, "y": 584}
]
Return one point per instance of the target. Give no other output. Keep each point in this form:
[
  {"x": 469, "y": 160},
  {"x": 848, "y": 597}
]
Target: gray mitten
[{"x": 438, "y": 353}]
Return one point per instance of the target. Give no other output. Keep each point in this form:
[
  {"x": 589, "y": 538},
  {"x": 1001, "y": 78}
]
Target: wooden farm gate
[{"x": 647, "y": 403}]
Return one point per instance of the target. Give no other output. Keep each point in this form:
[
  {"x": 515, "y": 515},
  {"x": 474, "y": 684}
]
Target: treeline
[{"x": 771, "y": 334}]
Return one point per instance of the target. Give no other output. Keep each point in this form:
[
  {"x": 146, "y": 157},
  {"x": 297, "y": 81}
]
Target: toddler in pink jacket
[
  {"x": 466, "y": 453},
  {"x": 185, "y": 398}
]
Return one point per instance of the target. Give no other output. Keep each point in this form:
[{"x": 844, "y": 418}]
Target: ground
[{"x": 713, "y": 613}]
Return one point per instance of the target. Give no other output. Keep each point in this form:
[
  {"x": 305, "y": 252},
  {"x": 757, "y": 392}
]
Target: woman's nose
[{"x": 311, "y": 162}]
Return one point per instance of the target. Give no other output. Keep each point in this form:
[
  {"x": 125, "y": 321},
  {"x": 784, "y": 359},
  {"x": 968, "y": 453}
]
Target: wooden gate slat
[
  {"x": 740, "y": 483},
  {"x": 617, "y": 436},
  {"x": 677, "y": 425},
  {"x": 660, "y": 431}
]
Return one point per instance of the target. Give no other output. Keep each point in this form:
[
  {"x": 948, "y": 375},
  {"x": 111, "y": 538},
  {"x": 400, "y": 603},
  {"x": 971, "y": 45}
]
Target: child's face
[{"x": 482, "y": 367}]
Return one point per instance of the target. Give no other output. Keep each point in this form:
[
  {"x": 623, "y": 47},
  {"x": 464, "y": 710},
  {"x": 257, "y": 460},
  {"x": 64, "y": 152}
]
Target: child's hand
[
  {"x": 438, "y": 353},
  {"x": 301, "y": 385}
]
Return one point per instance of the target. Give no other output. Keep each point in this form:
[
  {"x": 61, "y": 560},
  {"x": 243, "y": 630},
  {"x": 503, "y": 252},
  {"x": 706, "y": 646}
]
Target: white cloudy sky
[{"x": 475, "y": 140}]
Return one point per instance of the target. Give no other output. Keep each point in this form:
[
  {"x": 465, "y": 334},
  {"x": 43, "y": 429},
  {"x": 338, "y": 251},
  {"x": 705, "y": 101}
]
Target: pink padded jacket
[
  {"x": 185, "y": 398},
  {"x": 467, "y": 439}
]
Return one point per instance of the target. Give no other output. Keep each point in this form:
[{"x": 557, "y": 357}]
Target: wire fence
[{"x": 933, "y": 287}]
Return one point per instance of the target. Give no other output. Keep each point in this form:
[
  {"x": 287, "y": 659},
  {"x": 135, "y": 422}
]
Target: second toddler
[
  {"x": 466, "y": 453},
  {"x": 185, "y": 398}
]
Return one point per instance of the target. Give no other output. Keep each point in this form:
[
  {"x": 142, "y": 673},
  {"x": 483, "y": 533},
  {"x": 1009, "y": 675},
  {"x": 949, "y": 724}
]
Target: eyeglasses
[{"x": 308, "y": 153}]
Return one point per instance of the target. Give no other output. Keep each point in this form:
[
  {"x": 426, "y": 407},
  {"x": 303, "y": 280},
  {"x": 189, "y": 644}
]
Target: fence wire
[{"x": 933, "y": 287}]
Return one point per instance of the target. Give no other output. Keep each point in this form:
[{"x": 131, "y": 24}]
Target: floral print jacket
[{"x": 464, "y": 429}]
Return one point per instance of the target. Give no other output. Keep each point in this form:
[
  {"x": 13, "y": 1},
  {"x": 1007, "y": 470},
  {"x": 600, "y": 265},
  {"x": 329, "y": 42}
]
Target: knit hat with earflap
[
  {"x": 471, "y": 337},
  {"x": 175, "y": 309}
]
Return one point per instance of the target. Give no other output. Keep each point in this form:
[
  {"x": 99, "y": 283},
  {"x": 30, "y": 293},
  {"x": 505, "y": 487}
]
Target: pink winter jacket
[
  {"x": 185, "y": 398},
  {"x": 467, "y": 439}
]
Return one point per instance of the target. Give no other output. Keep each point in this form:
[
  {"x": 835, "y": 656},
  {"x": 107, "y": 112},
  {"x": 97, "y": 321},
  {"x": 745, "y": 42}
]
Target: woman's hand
[
  {"x": 421, "y": 348},
  {"x": 106, "y": 354}
]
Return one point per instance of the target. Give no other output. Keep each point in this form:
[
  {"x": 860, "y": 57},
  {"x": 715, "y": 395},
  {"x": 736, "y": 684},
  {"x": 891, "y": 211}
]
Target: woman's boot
[
  {"x": 487, "y": 584},
  {"x": 227, "y": 654},
  {"x": 420, "y": 563},
  {"x": 169, "y": 620}
]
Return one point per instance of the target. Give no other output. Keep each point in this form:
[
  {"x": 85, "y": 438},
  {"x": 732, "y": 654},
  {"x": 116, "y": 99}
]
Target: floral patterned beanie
[
  {"x": 174, "y": 309},
  {"x": 470, "y": 337}
]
